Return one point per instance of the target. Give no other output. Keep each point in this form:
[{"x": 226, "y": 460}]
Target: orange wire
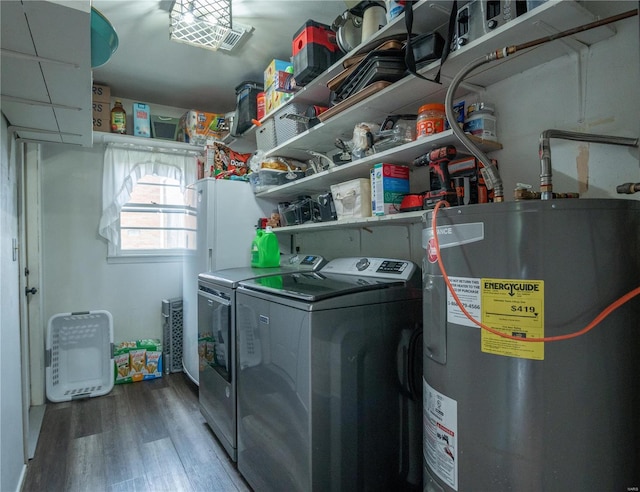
[{"x": 597, "y": 320}]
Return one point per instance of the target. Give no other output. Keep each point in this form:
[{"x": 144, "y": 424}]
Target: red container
[
  {"x": 314, "y": 50},
  {"x": 261, "y": 105}
]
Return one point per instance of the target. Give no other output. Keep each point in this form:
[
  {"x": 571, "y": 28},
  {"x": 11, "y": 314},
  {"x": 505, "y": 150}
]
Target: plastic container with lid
[
  {"x": 246, "y": 106},
  {"x": 431, "y": 118},
  {"x": 481, "y": 121}
]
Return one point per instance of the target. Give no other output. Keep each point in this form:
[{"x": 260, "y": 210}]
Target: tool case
[{"x": 314, "y": 49}]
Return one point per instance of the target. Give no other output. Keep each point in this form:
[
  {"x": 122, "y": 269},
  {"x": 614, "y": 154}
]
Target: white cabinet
[
  {"x": 406, "y": 95},
  {"x": 46, "y": 70}
]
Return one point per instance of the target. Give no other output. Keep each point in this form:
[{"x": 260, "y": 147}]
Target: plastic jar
[
  {"x": 394, "y": 8},
  {"x": 431, "y": 118},
  {"x": 481, "y": 121}
]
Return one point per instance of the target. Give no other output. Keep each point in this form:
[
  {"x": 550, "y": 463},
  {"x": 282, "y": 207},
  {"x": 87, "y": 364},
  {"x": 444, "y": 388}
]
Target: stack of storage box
[
  {"x": 101, "y": 95},
  {"x": 275, "y": 86}
]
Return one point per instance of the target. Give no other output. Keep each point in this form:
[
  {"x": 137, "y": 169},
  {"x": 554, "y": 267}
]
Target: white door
[{"x": 31, "y": 325}]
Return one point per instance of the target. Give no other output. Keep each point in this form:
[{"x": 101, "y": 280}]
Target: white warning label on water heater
[
  {"x": 468, "y": 291},
  {"x": 440, "y": 422}
]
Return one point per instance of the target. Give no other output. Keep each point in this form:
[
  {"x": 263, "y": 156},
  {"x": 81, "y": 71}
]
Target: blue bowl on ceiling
[{"x": 104, "y": 40}]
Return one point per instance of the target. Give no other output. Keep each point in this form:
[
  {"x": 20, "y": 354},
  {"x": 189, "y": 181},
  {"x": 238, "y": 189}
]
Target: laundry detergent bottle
[
  {"x": 268, "y": 249},
  {"x": 255, "y": 248}
]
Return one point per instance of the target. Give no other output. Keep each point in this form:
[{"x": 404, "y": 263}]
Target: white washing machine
[
  {"x": 217, "y": 345},
  {"x": 329, "y": 371}
]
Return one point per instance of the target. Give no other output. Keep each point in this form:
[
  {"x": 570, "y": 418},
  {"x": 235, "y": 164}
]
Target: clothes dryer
[{"x": 217, "y": 340}]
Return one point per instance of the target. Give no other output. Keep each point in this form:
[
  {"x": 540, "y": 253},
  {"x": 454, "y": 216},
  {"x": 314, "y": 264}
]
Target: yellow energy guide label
[{"x": 514, "y": 307}]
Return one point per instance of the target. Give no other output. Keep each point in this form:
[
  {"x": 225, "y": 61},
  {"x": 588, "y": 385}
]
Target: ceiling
[{"x": 149, "y": 67}]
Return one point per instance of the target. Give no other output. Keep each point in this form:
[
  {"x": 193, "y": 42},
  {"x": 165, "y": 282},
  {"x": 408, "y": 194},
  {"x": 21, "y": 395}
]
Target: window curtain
[{"x": 123, "y": 167}]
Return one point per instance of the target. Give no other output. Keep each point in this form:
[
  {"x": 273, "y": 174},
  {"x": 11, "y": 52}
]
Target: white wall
[
  {"x": 549, "y": 97},
  {"x": 76, "y": 275},
  {"x": 12, "y": 464}
]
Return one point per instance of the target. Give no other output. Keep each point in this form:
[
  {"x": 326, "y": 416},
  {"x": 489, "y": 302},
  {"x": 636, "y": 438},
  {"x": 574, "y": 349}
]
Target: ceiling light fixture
[{"x": 206, "y": 24}]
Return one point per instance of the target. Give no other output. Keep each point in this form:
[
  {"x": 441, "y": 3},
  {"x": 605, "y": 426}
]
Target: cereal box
[
  {"x": 137, "y": 360},
  {"x": 389, "y": 184},
  {"x": 141, "y": 120},
  {"x": 273, "y": 68}
]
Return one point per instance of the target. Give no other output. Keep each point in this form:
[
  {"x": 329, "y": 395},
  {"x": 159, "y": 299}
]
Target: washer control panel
[
  {"x": 371, "y": 267},
  {"x": 305, "y": 262}
]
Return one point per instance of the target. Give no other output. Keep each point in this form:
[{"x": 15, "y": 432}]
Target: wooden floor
[{"x": 146, "y": 436}]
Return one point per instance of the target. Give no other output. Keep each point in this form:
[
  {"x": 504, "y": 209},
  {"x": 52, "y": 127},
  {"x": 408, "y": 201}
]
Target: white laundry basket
[{"x": 79, "y": 355}]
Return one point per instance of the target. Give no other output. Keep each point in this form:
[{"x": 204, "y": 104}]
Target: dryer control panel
[{"x": 371, "y": 267}]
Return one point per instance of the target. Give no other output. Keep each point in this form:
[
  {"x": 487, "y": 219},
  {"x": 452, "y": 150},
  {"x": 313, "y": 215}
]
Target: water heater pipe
[
  {"x": 628, "y": 188},
  {"x": 491, "y": 169},
  {"x": 546, "y": 186}
]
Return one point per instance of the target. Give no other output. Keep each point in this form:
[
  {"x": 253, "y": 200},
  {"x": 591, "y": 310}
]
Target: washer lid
[
  {"x": 230, "y": 277},
  {"x": 314, "y": 286}
]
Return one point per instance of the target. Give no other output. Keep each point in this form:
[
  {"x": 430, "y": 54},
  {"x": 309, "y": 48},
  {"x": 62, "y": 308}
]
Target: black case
[
  {"x": 246, "y": 106},
  {"x": 427, "y": 48}
]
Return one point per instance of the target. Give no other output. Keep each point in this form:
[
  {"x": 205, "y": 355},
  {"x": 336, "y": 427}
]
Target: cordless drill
[{"x": 441, "y": 188}]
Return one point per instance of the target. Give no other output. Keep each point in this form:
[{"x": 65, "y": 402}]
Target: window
[
  {"x": 155, "y": 220},
  {"x": 144, "y": 192}
]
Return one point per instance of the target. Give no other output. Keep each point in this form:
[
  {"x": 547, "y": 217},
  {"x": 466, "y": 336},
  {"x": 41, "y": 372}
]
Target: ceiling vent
[
  {"x": 234, "y": 36},
  {"x": 206, "y": 24}
]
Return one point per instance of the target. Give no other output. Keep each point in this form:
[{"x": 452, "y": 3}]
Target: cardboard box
[
  {"x": 393, "y": 170},
  {"x": 389, "y": 183},
  {"x": 141, "y": 120},
  {"x": 200, "y": 128},
  {"x": 137, "y": 360},
  {"x": 101, "y": 116},
  {"x": 273, "y": 99},
  {"x": 272, "y": 68},
  {"x": 284, "y": 82},
  {"x": 101, "y": 109},
  {"x": 101, "y": 93},
  {"x": 101, "y": 124}
]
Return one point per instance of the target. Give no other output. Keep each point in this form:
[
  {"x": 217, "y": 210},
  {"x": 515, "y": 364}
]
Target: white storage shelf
[
  {"x": 150, "y": 143},
  {"x": 395, "y": 219},
  {"x": 320, "y": 182},
  {"x": 407, "y": 94}
]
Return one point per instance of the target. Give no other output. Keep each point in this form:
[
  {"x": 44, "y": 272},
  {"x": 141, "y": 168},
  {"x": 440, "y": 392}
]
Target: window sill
[{"x": 146, "y": 258}]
